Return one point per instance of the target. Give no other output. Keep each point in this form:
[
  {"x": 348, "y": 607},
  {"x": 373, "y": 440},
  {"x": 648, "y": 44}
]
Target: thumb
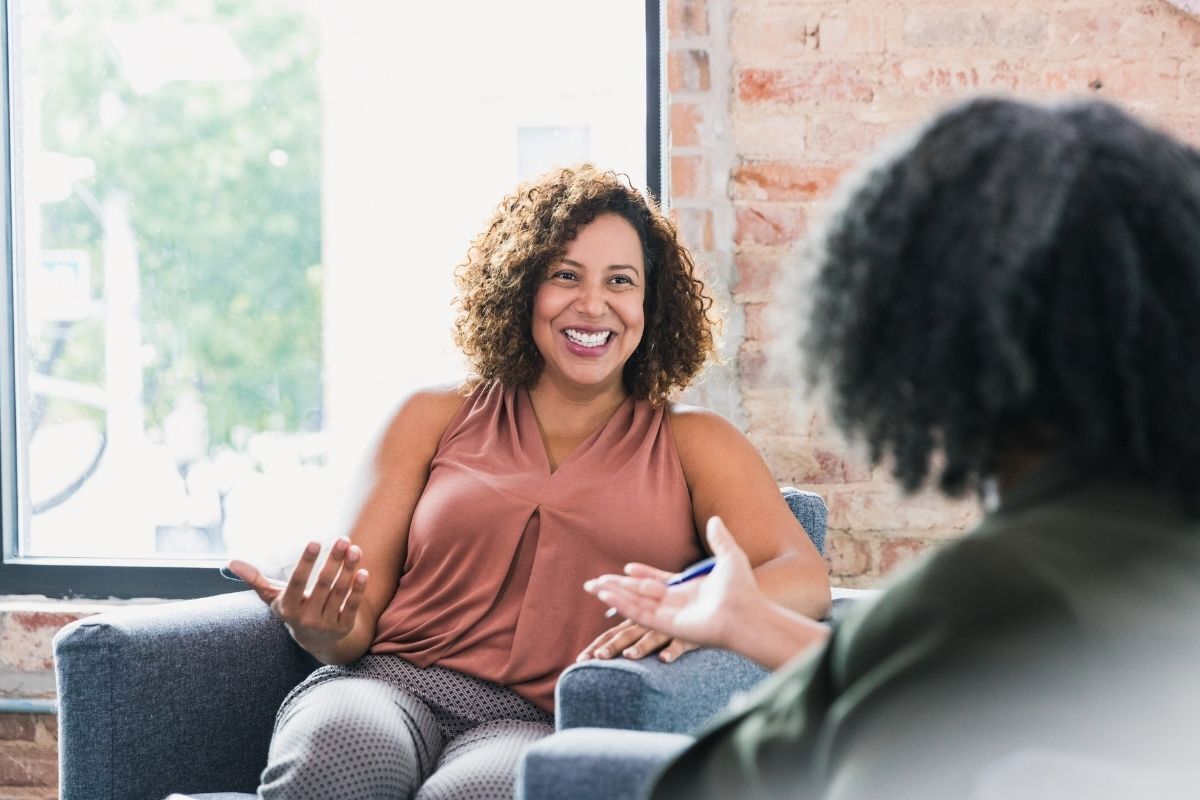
[{"x": 720, "y": 539}]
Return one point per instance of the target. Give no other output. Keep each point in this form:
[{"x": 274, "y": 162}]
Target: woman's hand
[
  {"x": 319, "y": 619},
  {"x": 706, "y": 610},
  {"x": 631, "y": 640}
]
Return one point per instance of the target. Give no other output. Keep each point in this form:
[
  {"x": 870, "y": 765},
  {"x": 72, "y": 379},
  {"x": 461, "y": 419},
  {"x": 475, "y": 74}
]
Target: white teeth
[{"x": 587, "y": 339}]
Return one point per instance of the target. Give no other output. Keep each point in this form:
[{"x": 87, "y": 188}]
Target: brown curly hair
[{"x": 529, "y": 232}]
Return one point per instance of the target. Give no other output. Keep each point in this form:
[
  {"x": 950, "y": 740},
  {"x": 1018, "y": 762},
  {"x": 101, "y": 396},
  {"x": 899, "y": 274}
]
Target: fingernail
[
  {"x": 353, "y": 555},
  {"x": 587, "y": 585},
  {"x": 602, "y": 652},
  {"x": 631, "y": 652},
  {"x": 313, "y": 548},
  {"x": 666, "y": 657}
]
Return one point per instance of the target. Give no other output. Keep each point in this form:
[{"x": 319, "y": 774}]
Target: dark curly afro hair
[
  {"x": 1018, "y": 277},
  {"x": 529, "y": 232}
]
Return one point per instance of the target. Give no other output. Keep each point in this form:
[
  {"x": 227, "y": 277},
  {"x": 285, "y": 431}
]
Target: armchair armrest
[
  {"x": 173, "y": 697},
  {"x": 648, "y": 695}
]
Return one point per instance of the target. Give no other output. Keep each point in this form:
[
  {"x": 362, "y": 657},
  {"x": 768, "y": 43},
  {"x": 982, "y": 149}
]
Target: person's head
[
  {"x": 516, "y": 289},
  {"x": 1019, "y": 278}
]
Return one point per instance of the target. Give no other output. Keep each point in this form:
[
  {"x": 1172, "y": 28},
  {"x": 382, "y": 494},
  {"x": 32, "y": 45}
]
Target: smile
[{"x": 588, "y": 339}]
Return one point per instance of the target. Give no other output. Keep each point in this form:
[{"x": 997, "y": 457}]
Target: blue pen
[{"x": 694, "y": 571}]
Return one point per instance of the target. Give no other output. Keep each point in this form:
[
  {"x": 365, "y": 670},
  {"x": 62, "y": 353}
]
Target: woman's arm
[
  {"x": 729, "y": 479},
  {"x": 336, "y": 620}
]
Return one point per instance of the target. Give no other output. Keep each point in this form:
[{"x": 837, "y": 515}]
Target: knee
[
  {"x": 351, "y": 738},
  {"x": 482, "y": 763}
]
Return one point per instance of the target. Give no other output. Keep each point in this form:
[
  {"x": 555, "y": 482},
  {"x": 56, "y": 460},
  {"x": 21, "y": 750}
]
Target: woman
[
  {"x": 453, "y": 604},
  {"x": 1010, "y": 303}
]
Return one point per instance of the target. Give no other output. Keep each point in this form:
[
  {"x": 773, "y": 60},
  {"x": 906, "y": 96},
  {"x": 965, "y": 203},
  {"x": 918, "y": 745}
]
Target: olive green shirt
[{"x": 1067, "y": 622}]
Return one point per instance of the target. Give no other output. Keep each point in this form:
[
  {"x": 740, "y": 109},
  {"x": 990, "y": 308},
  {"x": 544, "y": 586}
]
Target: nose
[{"x": 591, "y": 301}]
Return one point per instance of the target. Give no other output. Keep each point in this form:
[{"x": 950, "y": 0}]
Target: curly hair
[
  {"x": 1018, "y": 276},
  {"x": 529, "y": 232}
]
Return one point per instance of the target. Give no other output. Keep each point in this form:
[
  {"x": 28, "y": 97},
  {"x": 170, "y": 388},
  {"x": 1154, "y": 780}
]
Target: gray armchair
[{"x": 181, "y": 697}]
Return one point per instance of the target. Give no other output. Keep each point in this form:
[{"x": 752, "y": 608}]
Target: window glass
[{"x": 236, "y": 225}]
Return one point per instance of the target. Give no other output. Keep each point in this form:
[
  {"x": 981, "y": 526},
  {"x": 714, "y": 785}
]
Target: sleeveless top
[{"x": 499, "y": 546}]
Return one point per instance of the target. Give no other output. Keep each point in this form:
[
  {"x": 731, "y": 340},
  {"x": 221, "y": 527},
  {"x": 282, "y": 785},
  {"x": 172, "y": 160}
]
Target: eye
[
  {"x": 622, "y": 280},
  {"x": 564, "y": 275}
]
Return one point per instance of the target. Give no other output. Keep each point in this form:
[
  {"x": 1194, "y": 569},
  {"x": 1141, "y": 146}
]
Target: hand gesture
[
  {"x": 705, "y": 610},
  {"x": 324, "y": 616},
  {"x": 632, "y": 640}
]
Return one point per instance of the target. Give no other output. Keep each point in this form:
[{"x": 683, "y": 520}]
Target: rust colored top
[{"x": 499, "y": 546}]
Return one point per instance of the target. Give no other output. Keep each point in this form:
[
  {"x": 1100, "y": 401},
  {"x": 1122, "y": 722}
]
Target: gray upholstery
[
  {"x": 182, "y": 697},
  {"x": 648, "y": 695},
  {"x": 596, "y": 763},
  {"x": 174, "y": 697}
]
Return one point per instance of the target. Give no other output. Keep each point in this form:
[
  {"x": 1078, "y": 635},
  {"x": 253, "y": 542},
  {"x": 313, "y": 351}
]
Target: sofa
[{"x": 181, "y": 697}]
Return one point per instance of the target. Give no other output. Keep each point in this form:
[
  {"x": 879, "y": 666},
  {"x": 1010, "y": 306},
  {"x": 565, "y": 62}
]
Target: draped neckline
[{"x": 528, "y": 420}]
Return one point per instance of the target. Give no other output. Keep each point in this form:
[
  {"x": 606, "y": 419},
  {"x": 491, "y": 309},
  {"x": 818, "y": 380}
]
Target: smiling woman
[{"x": 457, "y": 594}]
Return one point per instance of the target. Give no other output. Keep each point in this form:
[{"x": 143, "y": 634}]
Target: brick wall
[
  {"x": 28, "y": 751},
  {"x": 772, "y": 100}
]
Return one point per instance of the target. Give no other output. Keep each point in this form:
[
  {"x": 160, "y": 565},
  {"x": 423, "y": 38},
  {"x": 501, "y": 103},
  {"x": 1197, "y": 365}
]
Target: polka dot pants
[{"x": 382, "y": 728}]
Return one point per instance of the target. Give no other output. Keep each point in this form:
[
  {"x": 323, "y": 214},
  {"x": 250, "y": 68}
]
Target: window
[{"x": 231, "y": 233}]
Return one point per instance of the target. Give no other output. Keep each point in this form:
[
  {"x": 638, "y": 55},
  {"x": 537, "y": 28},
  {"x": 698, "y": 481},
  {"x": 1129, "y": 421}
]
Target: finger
[
  {"x": 263, "y": 586},
  {"x": 602, "y": 640},
  {"x": 651, "y": 642},
  {"x": 636, "y": 570},
  {"x": 629, "y": 633},
  {"x": 631, "y": 606},
  {"x": 330, "y": 571},
  {"x": 358, "y": 587},
  {"x": 675, "y": 649},
  {"x": 293, "y": 594},
  {"x": 652, "y": 588},
  {"x": 719, "y": 538},
  {"x": 337, "y": 592}
]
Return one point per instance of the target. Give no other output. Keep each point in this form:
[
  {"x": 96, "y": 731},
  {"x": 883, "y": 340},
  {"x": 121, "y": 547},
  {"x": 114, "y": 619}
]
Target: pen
[
  {"x": 699, "y": 569},
  {"x": 694, "y": 571}
]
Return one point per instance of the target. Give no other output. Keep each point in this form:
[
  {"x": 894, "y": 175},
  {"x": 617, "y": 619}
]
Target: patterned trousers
[{"x": 382, "y": 728}]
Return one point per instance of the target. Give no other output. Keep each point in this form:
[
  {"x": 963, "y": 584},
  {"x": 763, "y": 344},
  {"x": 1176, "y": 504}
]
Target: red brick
[
  {"x": 806, "y": 83},
  {"x": 954, "y": 28},
  {"x": 687, "y": 17},
  {"x": 688, "y": 177},
  {"x": 1138, "y": 81},
  {"x": 17, "y": 727},
  {"x": 916, "y": 77},
  {"x": 800, "y": 461},
  {"x": 783, "y": 180},
  {"x": 758, "y": 371},
  {"x": 759, "y": 325},
  {"x": 772, "y": 225},
  {"x": 695, "y": 227},
  {"x": 769, "y": 34},
  {"x": 26, "y": 638},
  {"x": 686, "y": 120},
  {"x": 898, "y": 551},
  {"x": 844, "y": 136},
  {"x": 848, "y": 555},
  {"x": 757, "y": 271},
  {"x": 688, "y": 71},
  {"x": 852, "y": 33},
  {"x": 28, "y": 766}
]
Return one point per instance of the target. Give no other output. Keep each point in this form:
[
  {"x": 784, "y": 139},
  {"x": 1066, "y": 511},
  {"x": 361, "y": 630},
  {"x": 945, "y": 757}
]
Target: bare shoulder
[
  {"x": 702, "y": 434},
  {"x": 420, "y": 419}
]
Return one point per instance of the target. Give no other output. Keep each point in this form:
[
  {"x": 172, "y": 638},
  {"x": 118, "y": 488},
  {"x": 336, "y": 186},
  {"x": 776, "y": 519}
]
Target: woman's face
[{"x": 588, "y": 315}]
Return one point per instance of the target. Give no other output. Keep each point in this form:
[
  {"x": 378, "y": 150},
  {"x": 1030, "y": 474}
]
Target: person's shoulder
[
  {"x": 421, "y": 416},
  {"x": 700, "y": 423}
]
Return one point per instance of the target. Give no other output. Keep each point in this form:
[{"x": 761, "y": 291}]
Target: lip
[{"x": 588, "y": 352}]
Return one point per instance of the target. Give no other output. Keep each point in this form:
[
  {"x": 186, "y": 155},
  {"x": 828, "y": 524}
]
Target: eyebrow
[{"x": 611, "y": 267}]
